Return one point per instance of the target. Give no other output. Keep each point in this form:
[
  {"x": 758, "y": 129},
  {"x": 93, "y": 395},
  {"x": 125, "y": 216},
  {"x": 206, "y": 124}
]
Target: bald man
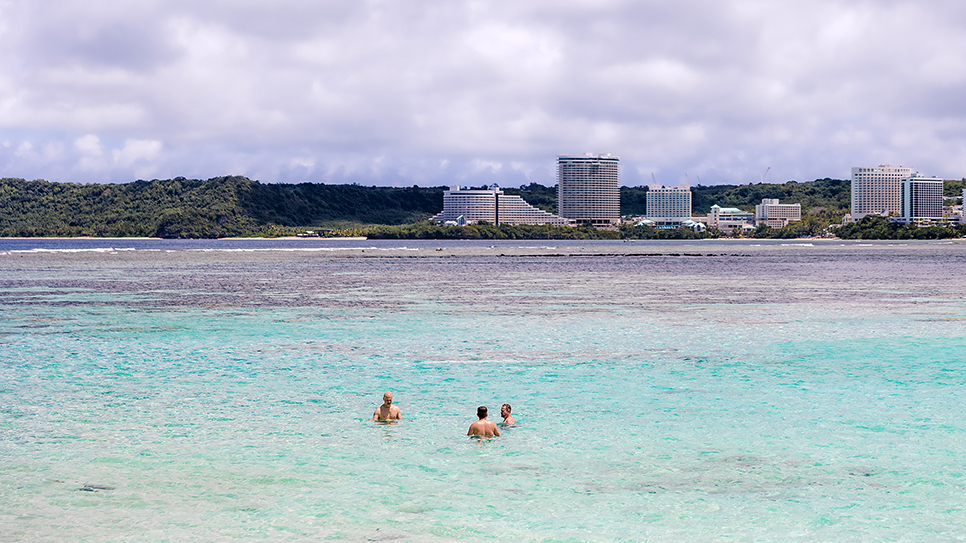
[{"x": 387, "y": 411}]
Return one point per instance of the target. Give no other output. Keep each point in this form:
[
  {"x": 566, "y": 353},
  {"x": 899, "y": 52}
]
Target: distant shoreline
[
  {"x": 358, "y": 238},
  {"x": 75, "y": 237}
]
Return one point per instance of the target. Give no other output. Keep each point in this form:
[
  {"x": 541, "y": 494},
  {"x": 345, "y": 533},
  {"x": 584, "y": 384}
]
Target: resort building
[
  {"x": 668, "y": 206},
  {"x": 588, "y": 189},
  {"x": 490, "y": 205},
  {"x": 920, "y": 200},
  {"x": 727, "y": 219},
  {"x": 875, "y": 191},
  {"x": 776, "y": 215}
]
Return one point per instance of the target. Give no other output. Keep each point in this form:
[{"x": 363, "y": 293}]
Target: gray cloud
[{"x": 436, "y": 92}]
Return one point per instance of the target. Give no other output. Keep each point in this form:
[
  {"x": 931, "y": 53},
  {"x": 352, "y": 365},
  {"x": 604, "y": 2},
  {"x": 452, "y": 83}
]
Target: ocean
[{"x": 222, "y": 390}]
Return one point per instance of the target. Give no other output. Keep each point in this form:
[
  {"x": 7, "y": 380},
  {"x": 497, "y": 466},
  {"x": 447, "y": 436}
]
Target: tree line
[
  {"x": 191, "y": 208},
  {"x": 237, "y": 206}
]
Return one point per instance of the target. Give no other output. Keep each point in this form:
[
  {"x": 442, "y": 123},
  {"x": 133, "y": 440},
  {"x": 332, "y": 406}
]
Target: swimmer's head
[
  {"x": 387, "y": 398},
  {"x": 505, "y": 410},
  {"x": 481, "y": 411}
]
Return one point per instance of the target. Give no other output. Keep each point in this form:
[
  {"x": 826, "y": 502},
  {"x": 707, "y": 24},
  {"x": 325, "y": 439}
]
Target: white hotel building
[
  {"x": 588, "y": 189},
  {"x": 776, "y": 215},
  {"x": 875, "y": 191},
  {"x": 491, "y": 205},
  {"x": 920, "y": 199},
  {"x": 668, "y": 206},
  {"x": 729, "y": 219}
]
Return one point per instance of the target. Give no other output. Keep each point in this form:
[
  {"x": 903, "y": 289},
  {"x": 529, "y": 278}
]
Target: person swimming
[
  {"x": 483, "y": 427},
  {"x": 387, "y": 411},
  {"x": 507, "y": 417}
]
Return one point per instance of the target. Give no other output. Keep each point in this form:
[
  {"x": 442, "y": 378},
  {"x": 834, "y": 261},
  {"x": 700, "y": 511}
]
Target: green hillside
[
  {"x": 184, "y": 208},
  {"x": 238, "y": 206}
]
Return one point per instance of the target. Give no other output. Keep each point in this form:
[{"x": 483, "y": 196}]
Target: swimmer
[
  {"x": 387, "y": 411},
  {"x": 483, "y": 427},
  {"x": 507, "y": 417}
]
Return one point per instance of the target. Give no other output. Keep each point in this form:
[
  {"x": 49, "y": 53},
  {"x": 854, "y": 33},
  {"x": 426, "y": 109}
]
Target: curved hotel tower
[{"x": 588, "y": 189}]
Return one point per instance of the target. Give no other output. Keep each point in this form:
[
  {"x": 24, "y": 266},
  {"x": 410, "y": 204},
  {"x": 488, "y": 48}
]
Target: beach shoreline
[{"x": 136, "y": 238}]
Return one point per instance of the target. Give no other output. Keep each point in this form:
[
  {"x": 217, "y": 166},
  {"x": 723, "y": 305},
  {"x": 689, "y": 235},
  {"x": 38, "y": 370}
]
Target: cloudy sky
[{"x": 439, "y": 92}]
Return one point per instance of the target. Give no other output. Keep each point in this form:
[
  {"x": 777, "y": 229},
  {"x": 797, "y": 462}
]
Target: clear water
[{"x": 704, "y": 391}]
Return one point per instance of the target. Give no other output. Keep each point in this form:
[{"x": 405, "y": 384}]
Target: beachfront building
[
  {"x": 668, "y": 207},
  {"x": 727, "y": 219},
  {"x": 875, "y": 191},
  {"x": 513, "y": 209},
  {"x": 920, "y": 200},
  {"x": 491, "y": 205},
  {"x": 776, "y": 215},
  {"x": 588, "y": 189},
  {"x": 468, "y": 206}
]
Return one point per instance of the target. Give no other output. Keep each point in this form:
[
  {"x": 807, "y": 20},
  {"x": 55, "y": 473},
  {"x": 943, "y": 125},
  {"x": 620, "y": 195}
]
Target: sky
[{"x": 447, "y": 92}]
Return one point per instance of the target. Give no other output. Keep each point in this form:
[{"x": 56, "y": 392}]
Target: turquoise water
[{"x": 703, "y": 391}]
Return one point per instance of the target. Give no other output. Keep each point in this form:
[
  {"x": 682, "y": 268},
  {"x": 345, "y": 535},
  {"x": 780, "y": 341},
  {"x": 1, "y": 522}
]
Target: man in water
[
  {"x": 387, "y": 411},
  {"x": 483, "y": 427},
  {"x": 507, "y": 417}
]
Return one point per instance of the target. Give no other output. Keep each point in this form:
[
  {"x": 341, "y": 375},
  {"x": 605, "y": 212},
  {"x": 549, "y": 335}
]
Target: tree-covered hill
[
  {"x": 238, "y": 206},
  {"x": 187, "y": 208},
  {"x": 173, "y": 208},
  {"x": 310, "y": 203},
  {"x": 833, "y": 196}
]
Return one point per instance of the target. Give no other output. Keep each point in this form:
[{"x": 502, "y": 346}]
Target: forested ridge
[
  {"x": 189, "y": 208},
  {"x": 237, "y": 206}
]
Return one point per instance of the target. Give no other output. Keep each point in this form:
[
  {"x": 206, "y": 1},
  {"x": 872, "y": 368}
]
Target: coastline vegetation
[
  {"x": 235, "y": 206},
  {"x": 876, "y": 227}
]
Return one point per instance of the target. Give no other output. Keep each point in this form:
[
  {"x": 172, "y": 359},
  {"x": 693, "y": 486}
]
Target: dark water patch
[
  {"x": 13, "y": 412},
  {"x": 95, "y": 488}
]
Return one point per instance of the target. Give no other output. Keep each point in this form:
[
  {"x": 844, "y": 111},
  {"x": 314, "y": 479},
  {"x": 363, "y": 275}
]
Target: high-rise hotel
[
  {"x": 667, "y": 206},
  {"x": 920, "y": 199},
  {"x": 876, "y": 190},
  {"x": 588, "y": 189},
  {"x": 901, "y": 193}
]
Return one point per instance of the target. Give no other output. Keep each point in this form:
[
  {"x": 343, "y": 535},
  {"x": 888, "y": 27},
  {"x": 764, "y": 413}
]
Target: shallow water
[{"x": 695, "y": 391}]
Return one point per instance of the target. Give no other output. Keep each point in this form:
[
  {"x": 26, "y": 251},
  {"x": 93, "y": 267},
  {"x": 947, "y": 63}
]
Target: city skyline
[{"x": 440, "y": 93}]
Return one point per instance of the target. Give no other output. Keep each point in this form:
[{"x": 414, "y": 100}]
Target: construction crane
[{"x": 762, "y": 179}]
